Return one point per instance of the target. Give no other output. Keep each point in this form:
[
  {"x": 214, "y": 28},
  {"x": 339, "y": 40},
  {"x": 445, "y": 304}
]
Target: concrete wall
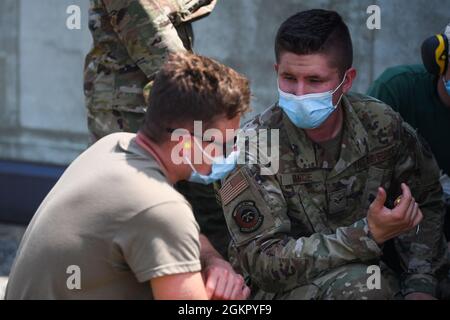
[
  {"x": 241, "y": 34},
  {"x": 42, "y": 116}
]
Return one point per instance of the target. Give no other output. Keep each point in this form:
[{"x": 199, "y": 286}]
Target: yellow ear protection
[{"x": 435, "y": 54}]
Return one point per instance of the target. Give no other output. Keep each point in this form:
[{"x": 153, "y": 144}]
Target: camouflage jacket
[
  {"x": 290, "y": 227},
  {"x": 131, "y": 39}
]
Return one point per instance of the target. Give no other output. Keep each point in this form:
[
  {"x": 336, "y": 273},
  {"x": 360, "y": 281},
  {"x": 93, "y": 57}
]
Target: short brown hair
[
  {"x": 316, "y": 31},
  {"x": 192, "y": 88}
]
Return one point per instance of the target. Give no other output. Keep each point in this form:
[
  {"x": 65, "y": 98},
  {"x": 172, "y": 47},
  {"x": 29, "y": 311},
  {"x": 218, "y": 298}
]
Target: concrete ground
[{"x": 10, "y": 236}]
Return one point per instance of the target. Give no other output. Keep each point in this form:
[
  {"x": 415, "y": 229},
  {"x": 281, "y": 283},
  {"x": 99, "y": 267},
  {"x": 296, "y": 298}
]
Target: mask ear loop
[
  {"x": 189, "y": 146},
  {"x": 203, "y": 151},
  {"x": 233, "y": 154},
  {"x": 340, "y": 85},
  {"x": 190, "y": 164},
  {"x": 339, "y": 101},
  {"x": 220, "y": 159}
]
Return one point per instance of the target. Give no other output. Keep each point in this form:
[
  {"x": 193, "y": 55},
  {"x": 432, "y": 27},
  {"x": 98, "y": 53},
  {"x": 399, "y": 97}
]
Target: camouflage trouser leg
[{"x": 345, "y": 283}]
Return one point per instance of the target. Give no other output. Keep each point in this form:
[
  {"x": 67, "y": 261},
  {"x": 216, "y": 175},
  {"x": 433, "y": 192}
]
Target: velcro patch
[
  {"x": 247, "y": 217},
  {"x": 375, "y": 158},
  {"x": 232, "y": 188},
  {"x": 337, "y": 201}
]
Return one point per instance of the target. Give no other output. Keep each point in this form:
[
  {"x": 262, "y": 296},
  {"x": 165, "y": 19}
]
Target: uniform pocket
[{"x": 374, "y": 181}]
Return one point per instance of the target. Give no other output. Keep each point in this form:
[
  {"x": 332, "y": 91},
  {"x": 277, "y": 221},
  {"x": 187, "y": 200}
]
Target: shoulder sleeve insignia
[{"x": 247, "y": 217}]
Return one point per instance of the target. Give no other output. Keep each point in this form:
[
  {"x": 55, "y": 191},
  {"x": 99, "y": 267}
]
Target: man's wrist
[
  {"x": 209, "y": 258},
  {"x": 368, "y": 230},
  {"x": 372, "y": 234},
  {"x": 372, "y": 237}
]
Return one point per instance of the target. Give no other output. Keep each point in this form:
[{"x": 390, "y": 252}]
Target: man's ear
[
  {"x": 348, "y": 83},
  {"x": 186, "y": 142},
  {"x": 276, "y": 66},
  {"x": 180, "y": 143}
]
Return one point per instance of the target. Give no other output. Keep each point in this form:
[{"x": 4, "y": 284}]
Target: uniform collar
[{"x": 128, "y": 144}]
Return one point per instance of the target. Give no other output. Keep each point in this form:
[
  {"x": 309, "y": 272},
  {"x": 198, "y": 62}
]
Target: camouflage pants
[
  {"x": 348, "y": 282},
  {"x": 207, "y": 211}
]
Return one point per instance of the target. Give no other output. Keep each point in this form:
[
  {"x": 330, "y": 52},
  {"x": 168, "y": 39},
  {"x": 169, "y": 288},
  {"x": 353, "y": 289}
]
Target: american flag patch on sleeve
[{"x": 232, "y": 188}]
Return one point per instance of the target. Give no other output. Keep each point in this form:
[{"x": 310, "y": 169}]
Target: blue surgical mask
[
  {"x": 446, "y": 85},
  {"x": 220, "y": 168},
  {"x": 308, "y": 111}
]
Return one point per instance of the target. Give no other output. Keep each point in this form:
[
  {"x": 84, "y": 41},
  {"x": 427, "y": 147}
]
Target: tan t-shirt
[{"x": 114, "y": 216}]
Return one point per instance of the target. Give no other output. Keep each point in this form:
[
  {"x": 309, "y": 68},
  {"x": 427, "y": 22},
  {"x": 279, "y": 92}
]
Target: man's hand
[
  {"x": 419, "y": 296},
  {"x": 222, "y": 282},
  {"x": 385, "y": 224}
]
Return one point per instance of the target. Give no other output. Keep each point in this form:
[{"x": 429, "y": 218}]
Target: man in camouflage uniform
[
  {"x": 131, "y": 41},
  {"x": 312, "y": 228}
]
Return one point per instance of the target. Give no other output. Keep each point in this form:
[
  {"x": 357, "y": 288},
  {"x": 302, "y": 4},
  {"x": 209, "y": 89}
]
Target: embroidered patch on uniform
[
  {"x": 232, "y": 188},
  {"x": 375, "y": 158},
  {"x": 294, "y": 178},
  {"x": 337, "y": 201},
  {"x": 247, "y": 217}
]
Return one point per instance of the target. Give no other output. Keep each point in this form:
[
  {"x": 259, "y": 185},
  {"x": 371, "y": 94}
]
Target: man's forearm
[
  {"x": 207, "y": 251},
  {"x": 279, "y": 264}
]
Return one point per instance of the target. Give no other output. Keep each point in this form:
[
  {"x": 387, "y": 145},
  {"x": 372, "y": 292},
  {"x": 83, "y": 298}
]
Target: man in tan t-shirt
[{"x": 113, "y": 227}]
